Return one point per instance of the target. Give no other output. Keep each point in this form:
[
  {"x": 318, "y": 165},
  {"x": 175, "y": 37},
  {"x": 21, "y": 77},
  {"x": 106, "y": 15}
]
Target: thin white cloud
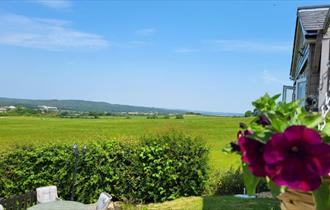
[
  {"x": 227, "y": 45},
  {"x": 145, "y": 31},
  {"x": 133, "y": 44},
  {"x": 268, "y": 78},
  {"x": 54, "y": 4},
  {"x": 185, "y": 50},
  {"x": 48, "y": 34}
]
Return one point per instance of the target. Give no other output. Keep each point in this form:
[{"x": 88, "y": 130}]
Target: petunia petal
[
  {"x": 294, "y": 133},
  {"x": 309, "y": 182},
  {"x": 293, "y": 173},
  {"x": 275, "y": 148},
  {"x": 252, "y": 154},
  {"x": 319, "y": 159},
  {"x": 311, "y": 136}
]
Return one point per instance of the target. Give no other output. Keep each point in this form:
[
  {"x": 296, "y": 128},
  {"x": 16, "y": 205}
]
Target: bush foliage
[
  {"x": 158, "y": 168},
  {"x": 231, "y": 182}
]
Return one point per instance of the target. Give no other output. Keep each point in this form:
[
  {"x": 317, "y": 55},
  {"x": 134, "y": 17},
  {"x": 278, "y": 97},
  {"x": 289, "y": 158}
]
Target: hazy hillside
[{"x": 83, "y": 106}]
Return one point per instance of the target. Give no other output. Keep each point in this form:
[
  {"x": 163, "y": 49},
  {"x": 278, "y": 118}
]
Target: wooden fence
[{"x": 19, "y": 202}]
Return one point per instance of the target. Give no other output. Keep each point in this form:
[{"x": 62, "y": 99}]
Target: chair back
[
  {"x": 103, "y": 201},
  {"x": 47, "y": 194},
  {"x": 1, "y": 207}
]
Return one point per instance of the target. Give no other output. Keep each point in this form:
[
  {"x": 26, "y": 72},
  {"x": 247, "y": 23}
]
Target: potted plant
[{"x": 284, "y": 145}]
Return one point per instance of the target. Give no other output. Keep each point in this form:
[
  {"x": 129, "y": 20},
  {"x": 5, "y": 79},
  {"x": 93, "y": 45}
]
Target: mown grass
[
  {"x": 211, "y": 203},
  {"x": 216, "y": 131}
]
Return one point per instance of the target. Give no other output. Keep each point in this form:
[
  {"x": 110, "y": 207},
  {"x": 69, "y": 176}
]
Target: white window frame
[{"x": 303, "y": 79}]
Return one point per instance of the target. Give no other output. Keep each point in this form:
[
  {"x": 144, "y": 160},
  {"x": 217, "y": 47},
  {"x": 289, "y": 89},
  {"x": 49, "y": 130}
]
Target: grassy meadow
[{"x": 216, "y": 131}]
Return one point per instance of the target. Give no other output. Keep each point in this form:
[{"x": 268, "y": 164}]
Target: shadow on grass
[{"x": 232, "y": 203}]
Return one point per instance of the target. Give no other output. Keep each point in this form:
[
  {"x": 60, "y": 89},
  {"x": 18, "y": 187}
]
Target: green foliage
[
  {"x": 281, "y": 115},
  {"x": 248, "y": 114},
  {"x": 153, "y": 116},
  {"x": 156, "y": 169},
  {"x": 22, "y": 111},
  {"x": 166, "y": 116},
  {"x": 179, "y": 116},
  {"x": 231, "y": 182},
  {"x": 273, "y": 117},
  {"x": 216, "y": 131},
  {"x": 250, "y": 181},
  {"x": 322, "y": 197}
]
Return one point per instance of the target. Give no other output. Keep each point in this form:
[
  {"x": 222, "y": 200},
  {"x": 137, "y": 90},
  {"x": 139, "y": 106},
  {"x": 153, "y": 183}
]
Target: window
[
  {"x": 301, "y": 91},
  {"x": 287, "y": 95}
]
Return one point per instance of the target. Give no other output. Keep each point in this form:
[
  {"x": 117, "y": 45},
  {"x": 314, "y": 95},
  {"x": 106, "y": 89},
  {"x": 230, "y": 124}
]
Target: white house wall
[{"x": 324, "y": 77}]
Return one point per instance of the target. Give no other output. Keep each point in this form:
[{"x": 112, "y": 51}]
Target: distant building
[
  {"x": 133, "y": 113},
  {"x": 310, "y": 57},
  {"x": 44, "y": 108},
  {"x": 5, "y": 109},
  {"x": 11, "y": 107}
]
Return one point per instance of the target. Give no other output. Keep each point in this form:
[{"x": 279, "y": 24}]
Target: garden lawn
[
  {"x": 212, "y": 203},
  {"x": 216, "y": 131}
]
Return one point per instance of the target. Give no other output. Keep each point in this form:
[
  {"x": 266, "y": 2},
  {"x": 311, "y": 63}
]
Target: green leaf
[
  {"x": 275, "y": 97},
  {"x": 279, "y": 125},
  {"x": 322, "y": 197},
  {"x": 227, "y": 149},
  {"x": 250, "y": 181},
  {"x": 275, "y": 189},
  {"x": 313, "y": 121},
  {"x": 326, "y": 129}
]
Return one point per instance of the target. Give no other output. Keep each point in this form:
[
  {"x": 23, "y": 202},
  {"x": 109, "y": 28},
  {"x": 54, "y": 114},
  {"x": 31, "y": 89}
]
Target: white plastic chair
[
  {"x": 103, "y": 201},
  {"x": 47, "y": 194},
  {"x": 1, "y": 207}
]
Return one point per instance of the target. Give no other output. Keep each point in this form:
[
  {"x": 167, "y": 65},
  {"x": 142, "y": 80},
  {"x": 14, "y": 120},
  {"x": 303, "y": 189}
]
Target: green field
[{"x": 216, "y": 131}]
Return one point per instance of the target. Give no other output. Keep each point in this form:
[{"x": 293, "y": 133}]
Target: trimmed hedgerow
[{"x": 156, "y": 169}]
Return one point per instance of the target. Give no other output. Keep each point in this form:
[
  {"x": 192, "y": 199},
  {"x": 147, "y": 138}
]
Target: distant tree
[
  {"x": 109, "y": 114},
  {"x": 248, "y": 114},
  {"x": 179, "y": 116},
  {"x": 154, "y": 116},
  {"x": 193, "y": 113},
  {"x": 64, "y": 114},
  {"x": 166, "y": 116},
  {"x": 94, "y": 114}
]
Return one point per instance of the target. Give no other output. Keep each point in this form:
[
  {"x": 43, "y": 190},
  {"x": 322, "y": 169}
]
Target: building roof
[
  {"x": 313, "y": 18},
  {"x": 310, "y": 21}
]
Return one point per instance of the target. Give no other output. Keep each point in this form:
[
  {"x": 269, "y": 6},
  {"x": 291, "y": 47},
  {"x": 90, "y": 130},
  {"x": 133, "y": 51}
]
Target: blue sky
[{"x": 196, "y": 55}]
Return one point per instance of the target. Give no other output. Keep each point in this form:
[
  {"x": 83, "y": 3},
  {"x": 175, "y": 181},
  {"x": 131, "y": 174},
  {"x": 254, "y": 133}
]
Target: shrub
[
  {"x": 231, "y": 182},
  {"x": 154, "y": 116},
  {"x": 179, "y": 116},
  {"x": 166, "y": 116},
  {"x": 248, "y": 113},
  {"x": 156, "y": 169}
]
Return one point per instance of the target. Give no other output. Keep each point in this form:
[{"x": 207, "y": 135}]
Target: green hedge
[
  {"x": 157, "y": 169},
  {"x": 231, "y": 182}
]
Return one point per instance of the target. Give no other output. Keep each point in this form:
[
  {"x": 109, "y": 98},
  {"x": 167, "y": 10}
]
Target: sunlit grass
[
  {"x": 211, "y": 203},
  {"x": 216, "y": 131}
]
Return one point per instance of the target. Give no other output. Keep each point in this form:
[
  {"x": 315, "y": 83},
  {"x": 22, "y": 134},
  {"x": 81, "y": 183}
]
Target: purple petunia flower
[
  {"x": 263, "y": 120},
  {"x": 235, "y": 147},
  {"x": 252, "y": 154},
  {"x": 297, "y": 158}
]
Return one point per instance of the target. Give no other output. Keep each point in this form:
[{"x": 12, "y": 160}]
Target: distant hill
[{"x": 83, "y": 106}]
